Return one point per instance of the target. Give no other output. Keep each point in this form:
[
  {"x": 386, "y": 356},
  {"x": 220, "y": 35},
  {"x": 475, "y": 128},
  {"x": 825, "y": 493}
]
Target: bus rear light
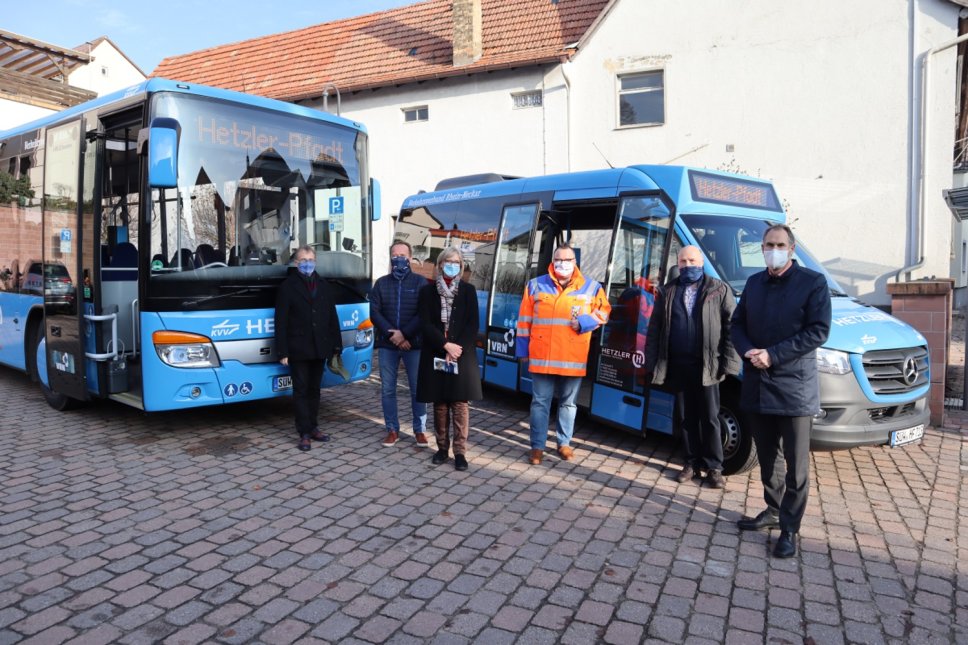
[{"x": 182, "y": 349}]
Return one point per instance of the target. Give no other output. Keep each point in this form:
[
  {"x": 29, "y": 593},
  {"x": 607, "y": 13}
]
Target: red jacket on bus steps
[{"x": 544, "y": 333}]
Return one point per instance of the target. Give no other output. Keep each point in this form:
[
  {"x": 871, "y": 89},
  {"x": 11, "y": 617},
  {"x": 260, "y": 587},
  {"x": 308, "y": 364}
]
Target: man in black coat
[
  {"x": 307, "y": 335},
  {"x": 689, "y": 350},
  {"x": 781, "y": 320}
]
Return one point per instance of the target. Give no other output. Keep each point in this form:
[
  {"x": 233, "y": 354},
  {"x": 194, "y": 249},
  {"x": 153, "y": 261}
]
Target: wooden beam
[{"x": 32, "y": 90}]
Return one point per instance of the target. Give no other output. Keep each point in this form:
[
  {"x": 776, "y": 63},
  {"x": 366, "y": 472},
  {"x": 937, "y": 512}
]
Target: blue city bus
[
  {"x": 627, "y": 225},
  {"x": 148, "y": 230}
]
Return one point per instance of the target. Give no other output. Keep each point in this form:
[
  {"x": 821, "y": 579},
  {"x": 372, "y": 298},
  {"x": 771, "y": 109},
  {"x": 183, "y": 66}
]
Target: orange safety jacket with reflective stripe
[{"x": 544, "y": 333}]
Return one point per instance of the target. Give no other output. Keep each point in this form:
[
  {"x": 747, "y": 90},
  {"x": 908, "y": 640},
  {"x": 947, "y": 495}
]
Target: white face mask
[
  {"x": 564, "y": 269},
  {"x": 776, "y": 259}
]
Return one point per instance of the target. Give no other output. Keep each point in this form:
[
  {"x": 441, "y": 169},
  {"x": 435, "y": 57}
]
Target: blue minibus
[{"x": 626, "y": 225}]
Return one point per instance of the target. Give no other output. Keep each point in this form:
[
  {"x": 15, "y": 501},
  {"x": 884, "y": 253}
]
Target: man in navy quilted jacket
[{"x": 393, "y": 309}]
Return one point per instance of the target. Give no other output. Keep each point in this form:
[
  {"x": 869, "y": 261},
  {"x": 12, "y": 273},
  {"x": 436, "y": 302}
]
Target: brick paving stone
[{"x": 136, "y": 536}]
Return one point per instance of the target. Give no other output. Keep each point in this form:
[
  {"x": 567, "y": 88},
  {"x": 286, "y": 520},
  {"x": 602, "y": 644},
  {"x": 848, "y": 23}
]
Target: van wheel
[
  {"x": 739, "y": 451},
  {"x": 56, "y": 400}
]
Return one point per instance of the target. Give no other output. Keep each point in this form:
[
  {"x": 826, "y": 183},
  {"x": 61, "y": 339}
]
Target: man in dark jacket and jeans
[
  {"x": 781, "y": 320},
  {"x": 689, "y": 350},
  {"x": 393, "y": 309}
]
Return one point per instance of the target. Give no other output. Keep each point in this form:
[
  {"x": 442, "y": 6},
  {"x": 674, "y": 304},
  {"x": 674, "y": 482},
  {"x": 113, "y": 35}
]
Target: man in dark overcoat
[
  {"x": 307, "y": 335},
  {"x": 782, "y": 318}
]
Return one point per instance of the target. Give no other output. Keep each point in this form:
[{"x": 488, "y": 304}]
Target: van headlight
[
  {"x": 831, "y": 361},
  {"x": 181, "y": 349}
]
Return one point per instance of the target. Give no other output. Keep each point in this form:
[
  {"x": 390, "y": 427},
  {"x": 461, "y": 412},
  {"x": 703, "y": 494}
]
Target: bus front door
[
  {"x": 509, "y": 278},
  {"x": 620, "y": 393},
  {"x": 58, "y": 276}
]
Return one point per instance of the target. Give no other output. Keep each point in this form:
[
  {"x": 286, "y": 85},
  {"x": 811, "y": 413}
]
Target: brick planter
[{"x": 926, "y": 306}]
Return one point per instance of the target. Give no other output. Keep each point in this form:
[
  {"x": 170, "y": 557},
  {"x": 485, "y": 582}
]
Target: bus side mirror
[
  {"x": 161, "y": 140},
  {"x": 375, "y": 200}
]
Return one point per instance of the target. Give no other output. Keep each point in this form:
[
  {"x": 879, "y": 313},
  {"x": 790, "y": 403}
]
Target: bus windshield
[
  {"x": 733, "y": 247},
  {"x": 254, "y": 185}
]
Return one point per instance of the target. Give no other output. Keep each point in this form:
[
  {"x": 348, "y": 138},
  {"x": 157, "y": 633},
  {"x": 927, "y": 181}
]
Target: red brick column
[{"x": 926, "y": 306}]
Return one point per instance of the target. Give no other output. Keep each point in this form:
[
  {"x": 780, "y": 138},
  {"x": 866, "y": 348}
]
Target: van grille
[{"x": 896, "y": 371}]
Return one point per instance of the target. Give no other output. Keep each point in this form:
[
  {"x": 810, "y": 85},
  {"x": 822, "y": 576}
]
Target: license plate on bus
[
  {"x": 901, "y": 437},
  {"x": 280, "y": 383}
]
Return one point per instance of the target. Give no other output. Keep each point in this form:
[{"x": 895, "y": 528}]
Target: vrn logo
[{"x": 224, "y": 328}]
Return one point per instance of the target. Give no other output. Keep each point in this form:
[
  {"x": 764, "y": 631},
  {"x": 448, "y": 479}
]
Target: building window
[
  {"x": 104, "y": 70},
  {"x": 526, "y": 99},
  {"x": 414, "y": 114},
  {"x": 641, "y": 99}
]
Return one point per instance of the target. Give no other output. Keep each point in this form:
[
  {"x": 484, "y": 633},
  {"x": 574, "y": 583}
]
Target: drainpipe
[
  {"x": 326, "y": 89},
  {"x": 921, "y": 162},
  {"x": 564, "y": 75}
]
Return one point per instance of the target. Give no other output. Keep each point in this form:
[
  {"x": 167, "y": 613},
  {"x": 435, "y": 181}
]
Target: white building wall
[
  {"x": 817, "y": 97},
  {"x": 471, "y": 128},
  {"x": 107, "y": 72},
  {"x": 814, "y": 96},
  {"x": 13, "y": 113}
]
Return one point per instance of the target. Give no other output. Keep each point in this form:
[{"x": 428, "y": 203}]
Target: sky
[{"x": 149, "y": 30}]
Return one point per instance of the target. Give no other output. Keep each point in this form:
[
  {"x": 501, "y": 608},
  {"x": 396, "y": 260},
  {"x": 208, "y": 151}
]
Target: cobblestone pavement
[{"x": 210, "y": 526}]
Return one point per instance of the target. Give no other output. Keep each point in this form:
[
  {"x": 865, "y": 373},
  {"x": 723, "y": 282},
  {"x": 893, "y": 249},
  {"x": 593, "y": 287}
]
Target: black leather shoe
[
  {"x": 440, "y": 457},
  {"x": 460, "y": 462},
  {"x": 786, "y": 546},
  {"x": 767, "y": 519},
  {"x": 304, "y": 444},
  {"x": 316, "y": 435}
]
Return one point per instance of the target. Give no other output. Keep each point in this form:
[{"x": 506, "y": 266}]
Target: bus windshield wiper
[
  {"x": 839, "y": 294},
  {"x": 218, "y": 296}
]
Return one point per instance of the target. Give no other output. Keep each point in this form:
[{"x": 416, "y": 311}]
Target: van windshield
[{"x": 732, "y": 245}]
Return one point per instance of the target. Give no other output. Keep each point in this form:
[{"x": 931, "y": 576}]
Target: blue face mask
[
  {"x": 400, "y": 267},
  {"x": 451, "y": 269},
  {"x": 688, "y": 275},
  {"x": 307, "y": 267}
]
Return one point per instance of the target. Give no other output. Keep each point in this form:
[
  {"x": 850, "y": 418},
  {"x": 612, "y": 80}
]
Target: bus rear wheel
[
  {"x": 739, "y": 451},
  {"x": 56, "y": 400}
]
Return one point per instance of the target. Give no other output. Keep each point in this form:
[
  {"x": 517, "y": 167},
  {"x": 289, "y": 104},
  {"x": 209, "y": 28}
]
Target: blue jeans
[
  {"x": 389, "y": 363},
  {"x": 543, "y": 388}
]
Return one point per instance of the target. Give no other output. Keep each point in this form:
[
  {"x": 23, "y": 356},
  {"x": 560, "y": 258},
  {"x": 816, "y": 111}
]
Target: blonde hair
[{"x": 448, "y": 252}]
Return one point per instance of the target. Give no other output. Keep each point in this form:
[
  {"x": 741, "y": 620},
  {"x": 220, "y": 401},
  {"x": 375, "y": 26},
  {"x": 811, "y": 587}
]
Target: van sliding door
[{"x": 620, "y": 393}]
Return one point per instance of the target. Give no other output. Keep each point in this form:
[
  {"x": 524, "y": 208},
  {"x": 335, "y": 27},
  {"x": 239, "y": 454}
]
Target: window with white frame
[
  {"x": 526, "y": 99},
  {"x": 641, "y": 99},
  {"x": 415, "y": 114}
]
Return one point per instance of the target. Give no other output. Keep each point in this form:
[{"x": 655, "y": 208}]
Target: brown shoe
[
  {"x": 714, "y": 479},
  {"x": 686, "y": 474},
  {"x": 534, "y": 457},
  {"x": 566, "y": 452},
  {"x": 421, "y": 438}
]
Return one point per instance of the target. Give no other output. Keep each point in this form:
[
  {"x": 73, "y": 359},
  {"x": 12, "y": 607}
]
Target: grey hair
[
  {"x": 782, "y": 227},
  {"x": 446, "y": 253}
]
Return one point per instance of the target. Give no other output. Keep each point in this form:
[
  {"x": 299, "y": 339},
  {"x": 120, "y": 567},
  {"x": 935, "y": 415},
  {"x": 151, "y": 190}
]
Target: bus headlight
[
  {"x": 181, "y": 349},
  {"x": 831, "y": 361},
  {"x": 364, "y": 335}
]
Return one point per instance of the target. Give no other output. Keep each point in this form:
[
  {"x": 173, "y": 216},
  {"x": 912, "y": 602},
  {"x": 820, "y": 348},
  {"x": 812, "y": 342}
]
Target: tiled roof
[{"x": 401, "y": 45}]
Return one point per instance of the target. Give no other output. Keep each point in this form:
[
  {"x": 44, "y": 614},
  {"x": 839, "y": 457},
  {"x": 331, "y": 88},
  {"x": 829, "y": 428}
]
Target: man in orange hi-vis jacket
[{"x": 559, "y": 312}]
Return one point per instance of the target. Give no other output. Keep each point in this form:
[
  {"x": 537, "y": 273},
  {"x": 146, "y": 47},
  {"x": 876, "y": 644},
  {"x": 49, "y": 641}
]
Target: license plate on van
[
  {"x": 901, "y": 437},
  {"x": 280, "y": 383}
]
